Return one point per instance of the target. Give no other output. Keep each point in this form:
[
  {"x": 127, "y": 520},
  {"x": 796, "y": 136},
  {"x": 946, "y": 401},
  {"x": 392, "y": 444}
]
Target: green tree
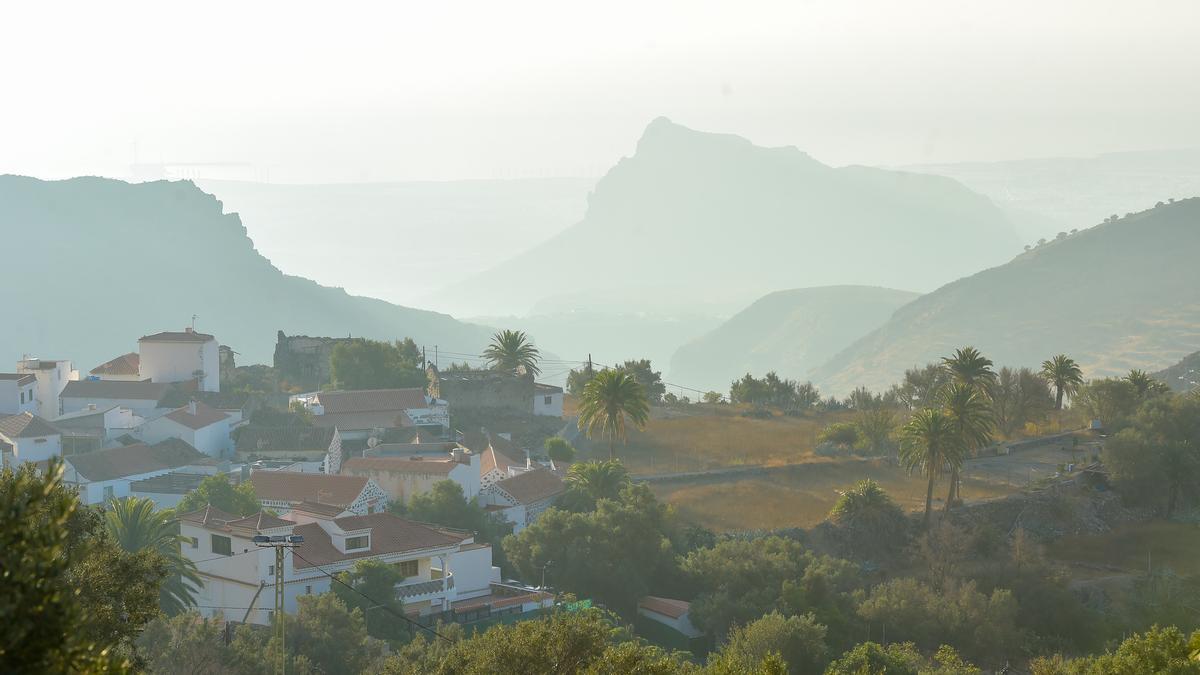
[
  {"x": 614, "y": 554},
  {"x": 1145, "y": 386},
  {"x": 739, "y": 580},
  {"x": 598, "y": 480},
  {"x": 971, "y": 368},
  {"x": 921, "y": 386},
  {"x": 135, "y": 525},
  {"x": 375, "y": 582},
  {"x": 875, "y": 425},
  {"x": 373, "y": 364},
  {"x": 1019, "y": 396},
  {"x": 1064, "y": 374},
  {"x": 841, "y": 434},
  {"x": 513, "y": 351},
  {"x": 799, "y": 640},
  {"x": 1110, "y": 400},
  {"x": 971, "y": 419},
  {"x": 577, "y": 380},
  {"x": 188, "y": 643},
  {"x": 611, "y": 399},
  {"x": 874, "y": 525},
  {"x": 929, "y": 444},
  {"x": 1158, "y": 650},
  {"x": 216, "y": 490},
  {"x": 650, "y": 379},
  {"x": 558, "y": 449},
  {"x": 711, "y": 397},
  {"x": 1158, "y": 457}
]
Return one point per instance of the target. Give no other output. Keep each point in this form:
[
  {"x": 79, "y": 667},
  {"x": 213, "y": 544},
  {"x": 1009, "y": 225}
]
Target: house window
[
  {"x": 355, "y": 543},
  {"x": 271, "y": 571},
  {"x": 108, "y": 492},
  {"x": 408, "y": 568},
  {"x": 547, "y": 400},
  {"x": 22, "y": 397},
  {"x": 308, "y": 590},
  {"x": 222, "y": 545},
  {"x": 195, "y": 542}
]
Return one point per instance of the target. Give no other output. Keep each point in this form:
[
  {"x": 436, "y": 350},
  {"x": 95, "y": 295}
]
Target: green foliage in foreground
[{"x": 219, "y": 492}]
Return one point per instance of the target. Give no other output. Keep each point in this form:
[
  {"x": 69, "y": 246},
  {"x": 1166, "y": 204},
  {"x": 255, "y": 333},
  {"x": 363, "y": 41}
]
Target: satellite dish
[{"x": 372, "y": 442}]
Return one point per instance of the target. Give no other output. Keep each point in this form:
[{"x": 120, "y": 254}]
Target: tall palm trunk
[
  {"x": 612, "y": 447},
  {"x": 1058, "y": 397},
  {"x": 928, "y": 500}
]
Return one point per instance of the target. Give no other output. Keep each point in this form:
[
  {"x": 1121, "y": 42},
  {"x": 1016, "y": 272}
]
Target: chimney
[
  {"x": 192, "y": 407},
  {"x": 189, "y": 329}
]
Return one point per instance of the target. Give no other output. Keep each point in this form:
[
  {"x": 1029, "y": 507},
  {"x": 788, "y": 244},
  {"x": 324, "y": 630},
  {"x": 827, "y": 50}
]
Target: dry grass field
[{"x": 798, "y": 496}]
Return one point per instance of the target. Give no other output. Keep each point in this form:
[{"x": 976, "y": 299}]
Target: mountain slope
[
  {"x": 1183, "y": 376},
  {"x": 347, "y": 231},
  {"x": 696, "y": 216},
  {"x": 790, "y": 332},
  {"x": 99, "y": 263},
  {"x": 1116, "y": 296},
  {"x": 1045, "y": 196}
]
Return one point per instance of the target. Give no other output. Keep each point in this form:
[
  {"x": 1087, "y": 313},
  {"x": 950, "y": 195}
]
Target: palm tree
[
  {"x": 598, "y": 480},
  {"x": 135, "y": 525},
  {"x": 971, "y": 417},
  {"x": 512, "y": 350},
  {"x": 608, "y": 400},
  {"x": 971, "y": 368},
  {"x": 930, "y": 445},
  {"x": 1144, "y": 385},
  {"x": 1065, "y": 375}
]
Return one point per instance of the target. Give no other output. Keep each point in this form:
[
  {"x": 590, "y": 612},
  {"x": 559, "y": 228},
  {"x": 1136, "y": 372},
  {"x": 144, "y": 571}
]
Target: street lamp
[
  {"x": 544, "y": 566},
  {"x": 279, "y": 542}
]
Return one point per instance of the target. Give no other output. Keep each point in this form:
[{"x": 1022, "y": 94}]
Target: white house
[
  {"x": 124, "y": 368},
  {"x": 52, "y": 377},
  {"x": 104, "y": 424},
  {"x": 669, "y": 612},
  {"x": 18, "y": 393},
  {"x": 523, "y": 497},
  {"x": 25, "y": 437},
  {"x": 203, "y": 427},
  {"x": 403, "y": 476},
  {"x": 107, "y": 474},
  {"x": 281, "y": 490},
  {"x": 180, "y": 356},
  {"x": 443, "y": 570},
  {"x": 166, "y": 490},
  {"x": 143, "y": 398},
  {"x": 547, "y": 400}
]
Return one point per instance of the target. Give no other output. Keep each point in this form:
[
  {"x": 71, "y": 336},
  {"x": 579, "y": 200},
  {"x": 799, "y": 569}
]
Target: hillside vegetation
[
  {"x": 96, "y": 263},
  {"x": 700, "y": 218},
  {"x": 1117, "y": 296},
  {"x": 790, "y": 332}
]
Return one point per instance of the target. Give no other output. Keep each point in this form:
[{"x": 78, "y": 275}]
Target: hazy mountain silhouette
[
  {"x": 698, "y": 215},
  {"x": 1116, "y": 296},
  {"x": 790, "y": 332},
  {"x": 1183, "y": 376},
  {"x": 1049, "y": 195},
  {"x": 425, "y": 233},
  {"x": 93, "y": 264}
]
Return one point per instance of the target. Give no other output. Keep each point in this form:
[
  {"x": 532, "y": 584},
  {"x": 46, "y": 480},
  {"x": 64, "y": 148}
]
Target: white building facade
[
  {"x": 180, "y": 356},
  {"x": 52, "y": 377},
  {"x": 18, "y": 393}
]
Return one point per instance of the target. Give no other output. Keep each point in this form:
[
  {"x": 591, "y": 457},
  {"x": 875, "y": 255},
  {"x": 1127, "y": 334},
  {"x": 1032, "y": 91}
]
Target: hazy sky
[{"x": 293, "y": 92}]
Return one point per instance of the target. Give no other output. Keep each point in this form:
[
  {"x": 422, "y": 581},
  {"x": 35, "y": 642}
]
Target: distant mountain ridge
[
  {"x": 97, "y": 263},
  {"x": 699, "y": 215},
  {"x": 790, "y": 332},
  {"x": 1183, "y": 376},
  {"x": 1120, "y": 295}
]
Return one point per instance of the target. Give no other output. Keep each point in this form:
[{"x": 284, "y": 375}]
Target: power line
[{"x": 383, "y": 606}]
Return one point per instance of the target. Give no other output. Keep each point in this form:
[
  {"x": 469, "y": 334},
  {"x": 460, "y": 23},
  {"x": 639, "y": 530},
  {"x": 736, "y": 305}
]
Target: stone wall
[
  {"x": 303, "y": 361},
  {"x": 482, "y": 389}
]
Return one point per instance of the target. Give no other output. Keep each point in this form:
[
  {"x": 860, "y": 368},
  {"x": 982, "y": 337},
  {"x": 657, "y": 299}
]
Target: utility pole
[{"x": 279, "y": 542}]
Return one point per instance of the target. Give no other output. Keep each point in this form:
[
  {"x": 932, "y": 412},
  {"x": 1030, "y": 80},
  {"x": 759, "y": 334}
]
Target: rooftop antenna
[{"x": 194, "y": 317}]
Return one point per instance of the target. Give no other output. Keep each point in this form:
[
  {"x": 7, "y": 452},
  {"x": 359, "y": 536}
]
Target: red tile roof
[
  {"x": 187, "y": 335},
  {"x": 532, "y": 486},
  {"x": 295, "y": 487},
  {"x": 372, "y": 400},
  {"x": 132, "y": 460},
  {"x": 664, "y": 606},
  {"x": 125, "y": 364},
  {"x": 399, "y": 465},
  {"x": 205, "y": 416},
  {"x": 25, "y": 425},
  {"x": 389, "y": 534},
  {"x": 495, "y": 460}
]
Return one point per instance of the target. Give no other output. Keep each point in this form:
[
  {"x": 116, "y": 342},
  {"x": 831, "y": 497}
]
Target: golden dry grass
[{"x": 799, "y": 496}]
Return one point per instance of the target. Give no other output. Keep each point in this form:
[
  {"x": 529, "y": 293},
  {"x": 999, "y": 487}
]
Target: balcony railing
[{"x": 414, "y": 590}]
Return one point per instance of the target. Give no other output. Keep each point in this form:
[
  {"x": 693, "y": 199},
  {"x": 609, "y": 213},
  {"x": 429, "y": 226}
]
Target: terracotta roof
[
  {"x": 205, "y": 416},
  {"x": 532, "y": 486},
  {"x": 131, "y": 460},
  {"x": 254, "y": 438},
  {"x": 327, "y": 510},
  {"x": 371, "y": 400},
  {"x": 295, "y": 487},
  {"x": 381, "y": 419},
  {"x": 546, "y": 388},
  {"x": 389, "y": 534},
  {"x": 168, "y": 484},
  {"x": 141, "y": 391},
  {"x": 664, "y": 606},
  {"x": 21, "y": 378},
  {"x": 208, "y": 516},
  {"x": 177, "y": 336},
  {"x": 25, "y": 425},
  {"x": 260, "y": 521},
  {"x": 125, "y": 364},
  {"x": 399, "y": 465},
  {"x": 495, "y": 460}
]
